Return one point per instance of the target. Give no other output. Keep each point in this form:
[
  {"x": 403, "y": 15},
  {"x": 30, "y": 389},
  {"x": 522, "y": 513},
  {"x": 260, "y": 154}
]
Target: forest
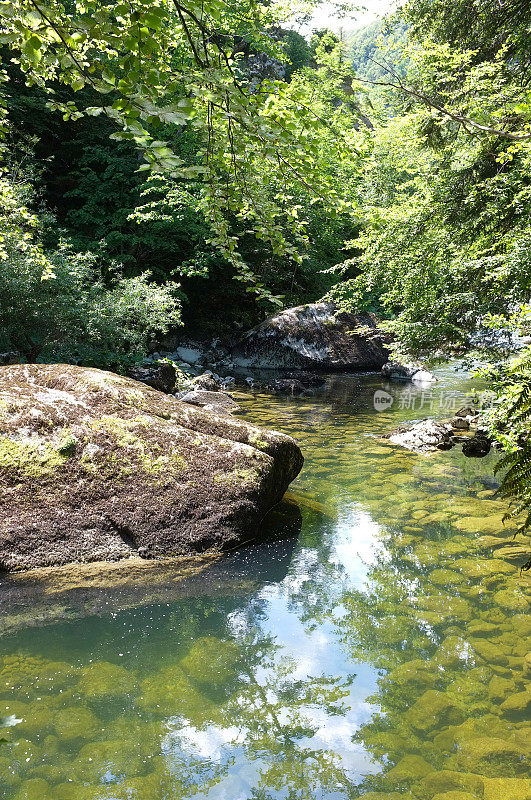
[{"x": 201, "y": 165}]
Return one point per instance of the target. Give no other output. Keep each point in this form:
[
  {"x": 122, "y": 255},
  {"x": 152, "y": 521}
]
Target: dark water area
[{"x": 375, "y": 646}]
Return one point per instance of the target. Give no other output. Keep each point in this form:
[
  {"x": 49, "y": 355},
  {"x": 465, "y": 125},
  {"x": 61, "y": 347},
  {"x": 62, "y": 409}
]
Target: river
[{"x": 373, "y": 646}]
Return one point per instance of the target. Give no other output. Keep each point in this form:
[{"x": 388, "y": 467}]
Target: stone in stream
[
  {"x": 160, "y": 376},
  {"x": 424, "y": 436},
  {"x": 477, "y": 446},
  {"x": 314, "y": 336},
  {"x": 207, "y": 382},
  {"x": 94, "y": 466},
  {"x": 415, "y": 373}
]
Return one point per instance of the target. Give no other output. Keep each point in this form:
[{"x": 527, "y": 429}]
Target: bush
[{"x": 56, "y": 307}]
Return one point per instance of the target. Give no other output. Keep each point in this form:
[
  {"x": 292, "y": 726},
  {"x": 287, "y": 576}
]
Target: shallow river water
[{"x": 375, "y": 647}]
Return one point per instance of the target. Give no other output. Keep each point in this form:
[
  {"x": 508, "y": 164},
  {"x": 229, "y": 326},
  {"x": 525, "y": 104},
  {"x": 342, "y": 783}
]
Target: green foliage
[
  {"x": 157, "y": 70},
  {"x": 509, "y": 418},
  {"x": 375, "y": 46},
  {"x": 55, "y": 307},
  {"x": 486, "y": 27},
  {"x": 445, "y": 251},
  {"x": 448, "y": 193}
]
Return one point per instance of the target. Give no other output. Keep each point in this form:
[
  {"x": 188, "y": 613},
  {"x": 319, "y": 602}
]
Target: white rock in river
[
  {"x": 314, "y": 336},
  {"x": 422, "y": 376},
  {"x": 396, "y": 371},
  {"x": 423, "y": 437}
]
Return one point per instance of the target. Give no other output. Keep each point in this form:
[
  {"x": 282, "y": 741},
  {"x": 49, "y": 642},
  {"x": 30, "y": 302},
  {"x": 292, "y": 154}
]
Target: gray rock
[
  {"x": 94, "y": 466},
  {"x": 424, "y": 436},
  {"x": 411, "y": 372},
  {"x": 189, "y": 353},
  {"x": 315, "y": 336},
  {"x": 423, "y": 376},
  {"x": 207, "y": 382},
  {"x": 219, "y": 402},
  {"x": 466, "y": 411},
  {"x": 395, "y": 371},
  {"x": 460, "y": 423},
  {"x": 160, "y": 376}
]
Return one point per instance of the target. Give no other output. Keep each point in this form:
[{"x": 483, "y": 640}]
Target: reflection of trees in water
[
  {"x": 453, "y": 705},
  {"x": 263, "y": 730}
]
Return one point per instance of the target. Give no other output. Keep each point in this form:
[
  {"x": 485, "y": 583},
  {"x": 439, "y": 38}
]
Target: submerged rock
[
  {"x": 94, "y": 466},
  {"x": 455, "y": 796},
  {"x": 449, "y": 781},
  {"x": 411, "y": 767},
  {"x": 315, "y": 336},
  {"x": 434, "y": 709},
  {"x": 287, "y": 386},
  {"x": 102, "y": 680},
  {"x": 424, "y": 436},
  {"x": 506, "y": 788}
]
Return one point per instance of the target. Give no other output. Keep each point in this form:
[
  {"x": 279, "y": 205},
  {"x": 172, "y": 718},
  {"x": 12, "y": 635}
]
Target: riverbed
[{"x": 373, "y": 645}]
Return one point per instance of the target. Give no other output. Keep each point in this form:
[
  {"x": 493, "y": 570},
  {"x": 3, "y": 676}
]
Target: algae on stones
[
  {"x": 211, "y": 661},
  {"x": 102, "y": 680}
]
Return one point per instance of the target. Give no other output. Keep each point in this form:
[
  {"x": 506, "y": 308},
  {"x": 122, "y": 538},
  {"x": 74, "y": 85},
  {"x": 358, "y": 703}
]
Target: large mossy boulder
[
  {"x": 316, "y": 336},
  {"x": 94, "y": 466}
]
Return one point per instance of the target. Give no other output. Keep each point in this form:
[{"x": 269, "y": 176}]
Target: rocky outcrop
[
  {"x": 95, "y": 466},
  {"x": 315, "y": 336}
]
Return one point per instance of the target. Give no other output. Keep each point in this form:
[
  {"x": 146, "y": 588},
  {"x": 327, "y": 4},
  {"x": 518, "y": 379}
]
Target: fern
[{"x": 512, "y": 425}]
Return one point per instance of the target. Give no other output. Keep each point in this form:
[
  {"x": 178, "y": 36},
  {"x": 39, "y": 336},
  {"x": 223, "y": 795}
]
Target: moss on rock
[
  {"x": 450, "y": 781},
  {"x": 97, "y": 467},
  {"x": 211, "y": 661}
]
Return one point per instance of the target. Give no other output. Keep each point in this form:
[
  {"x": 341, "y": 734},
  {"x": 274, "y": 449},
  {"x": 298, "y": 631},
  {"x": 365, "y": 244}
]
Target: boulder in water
[
  {"x": 207, "y": 382},
  {"x": 478, "y": 445},
  {"x": 94, "y": 466},
  {"x": 314, "y": 336},
  {"x": 218, "y": 402},
  {"x": 415, "y": 373},
  {"x": 424, "y": 436}
]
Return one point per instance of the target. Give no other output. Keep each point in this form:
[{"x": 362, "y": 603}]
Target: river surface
[{"x": 374, "y": 647}]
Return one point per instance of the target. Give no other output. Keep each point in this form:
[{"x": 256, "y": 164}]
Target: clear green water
[{"x": 380, "y": 653}]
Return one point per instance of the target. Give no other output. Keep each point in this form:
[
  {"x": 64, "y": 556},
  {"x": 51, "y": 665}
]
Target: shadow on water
[
  {"x": 40, "y": 597},
  {"x": 373, "y": 646}
]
